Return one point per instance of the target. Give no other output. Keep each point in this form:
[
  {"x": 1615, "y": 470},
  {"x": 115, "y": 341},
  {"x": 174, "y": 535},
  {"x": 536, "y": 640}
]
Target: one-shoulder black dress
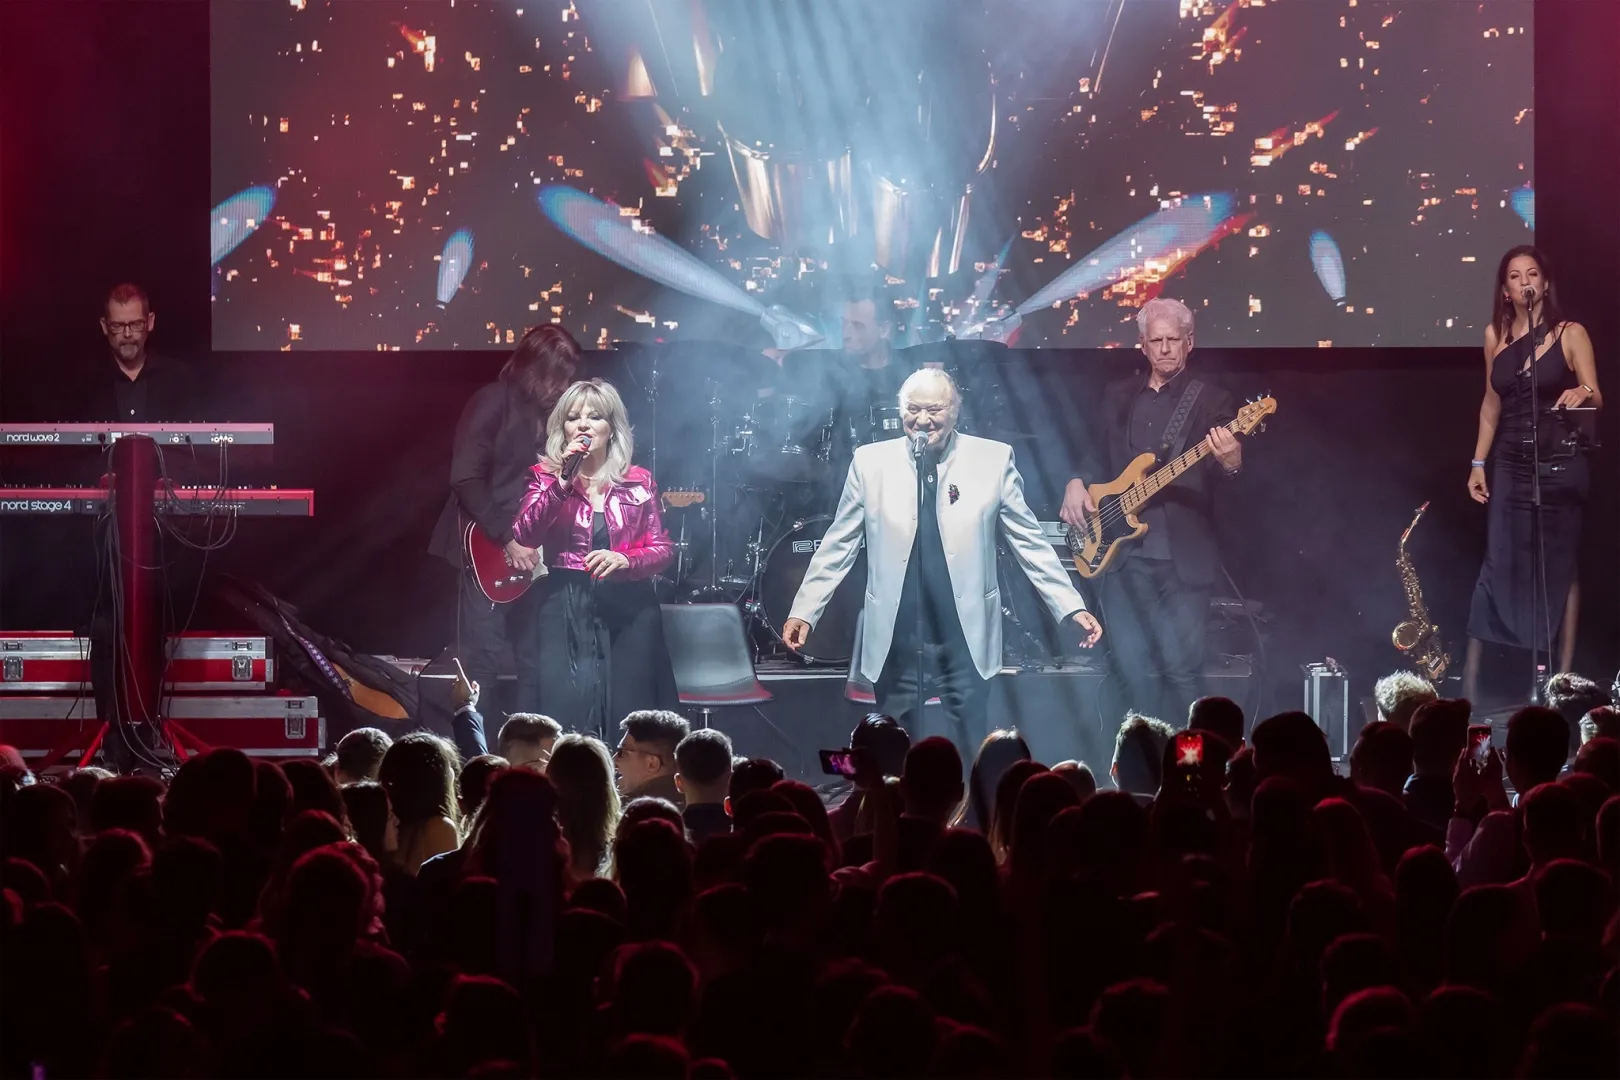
[{"x": 1502, "y": 609}]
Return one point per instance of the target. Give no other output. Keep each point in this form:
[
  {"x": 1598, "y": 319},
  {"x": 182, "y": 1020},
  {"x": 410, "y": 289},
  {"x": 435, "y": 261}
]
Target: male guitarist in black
[
  {"x": 499, "y": 438},
  {"x": 1155, "y": 598}
]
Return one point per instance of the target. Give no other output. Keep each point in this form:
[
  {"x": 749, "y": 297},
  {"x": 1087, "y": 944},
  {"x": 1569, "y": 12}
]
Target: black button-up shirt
[
  {"x": 1151, "y": 411},
  {"x": 164, "y": 391},
  {"x": 130, "y": 396},
  {"x": 928, "y": 574}
]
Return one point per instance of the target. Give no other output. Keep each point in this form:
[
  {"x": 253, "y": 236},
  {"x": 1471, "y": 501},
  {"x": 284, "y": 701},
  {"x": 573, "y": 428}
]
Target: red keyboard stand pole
[
  {"x": 137, "y": 665},
  {"x": 137, "y": 638}
]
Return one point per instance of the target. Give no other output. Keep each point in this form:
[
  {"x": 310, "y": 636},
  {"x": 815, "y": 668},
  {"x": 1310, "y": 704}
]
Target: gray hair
[
  {"x": 931, "y": 379},
  {"x": 1161, "y": 307},
  {"x": 1399, "y": 694}
]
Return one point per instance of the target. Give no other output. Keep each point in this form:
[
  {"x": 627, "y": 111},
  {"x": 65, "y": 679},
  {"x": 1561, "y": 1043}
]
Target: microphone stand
[
  {"x": 1538, "y": 578},
  {"x": 714, "y": 489},
  {"x": 919, "y": 455}
]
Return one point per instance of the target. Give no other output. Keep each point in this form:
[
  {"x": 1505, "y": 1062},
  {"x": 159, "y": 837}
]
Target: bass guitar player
[
  {"x": 1155, "y": 597},
  {"x": 498, "y": 440}
]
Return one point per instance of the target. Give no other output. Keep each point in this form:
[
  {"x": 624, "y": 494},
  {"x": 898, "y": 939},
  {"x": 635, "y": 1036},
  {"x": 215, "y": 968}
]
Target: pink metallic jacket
[{"x": 559, "y": 520}]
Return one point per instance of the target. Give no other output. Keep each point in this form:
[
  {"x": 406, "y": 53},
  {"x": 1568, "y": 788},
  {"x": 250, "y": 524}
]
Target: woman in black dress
[
  {"x": 601, "y": 651},
  {"x": 1565, "y": 374}
]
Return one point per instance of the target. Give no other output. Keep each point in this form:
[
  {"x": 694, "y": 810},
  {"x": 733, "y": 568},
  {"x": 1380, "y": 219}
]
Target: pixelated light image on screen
[{"x": 442, "y": 175}]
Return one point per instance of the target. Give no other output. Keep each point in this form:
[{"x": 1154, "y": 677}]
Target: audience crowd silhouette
[{"x": 1221, "y": 902}]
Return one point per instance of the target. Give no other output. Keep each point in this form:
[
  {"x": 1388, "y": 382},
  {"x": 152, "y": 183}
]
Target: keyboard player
[{"x": 139, "y": 386}]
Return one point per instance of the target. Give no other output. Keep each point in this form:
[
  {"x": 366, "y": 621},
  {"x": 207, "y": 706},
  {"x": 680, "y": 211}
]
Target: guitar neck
[{"x": 1144, "y": 489}]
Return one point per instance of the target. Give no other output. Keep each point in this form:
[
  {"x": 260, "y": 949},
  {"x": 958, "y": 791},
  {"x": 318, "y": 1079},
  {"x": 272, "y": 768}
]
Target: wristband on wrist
[{"x": 1477, "y": 463}]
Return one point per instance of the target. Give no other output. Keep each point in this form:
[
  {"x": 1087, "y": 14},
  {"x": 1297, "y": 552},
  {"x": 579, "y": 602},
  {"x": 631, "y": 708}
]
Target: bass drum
[{"x": 833, "y": 639}]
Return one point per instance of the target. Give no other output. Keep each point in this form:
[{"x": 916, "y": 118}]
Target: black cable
[
  {"x": 798, "y": 754},
  {"x": 136, "y": 734},
  {"x": 210, "y": 545},
  {"x": 138, "y": 748}
]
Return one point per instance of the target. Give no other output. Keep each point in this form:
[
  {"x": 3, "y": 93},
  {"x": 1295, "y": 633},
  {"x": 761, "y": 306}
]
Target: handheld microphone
[
  {"x": 919, "y": 443},
  {"x": 572, "y": 462}
]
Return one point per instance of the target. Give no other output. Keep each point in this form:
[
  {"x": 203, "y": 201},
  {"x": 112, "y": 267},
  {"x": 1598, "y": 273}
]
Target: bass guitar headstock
[{"x": 1252, "y": 417}]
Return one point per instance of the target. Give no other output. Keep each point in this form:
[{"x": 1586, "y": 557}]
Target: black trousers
[
  {"x": 1155, "y": 625},
  {"x": 948, "y": 671},
  {"x": 600, "y": 652},
  {"x": 485, "y": 633}
]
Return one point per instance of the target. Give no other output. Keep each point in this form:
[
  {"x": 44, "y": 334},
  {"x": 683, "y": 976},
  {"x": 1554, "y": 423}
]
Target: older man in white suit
[{"x": 933, "y": 607}]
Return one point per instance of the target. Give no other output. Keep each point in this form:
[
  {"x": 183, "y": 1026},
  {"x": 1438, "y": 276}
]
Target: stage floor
[{"x": 1055, "y": 708}]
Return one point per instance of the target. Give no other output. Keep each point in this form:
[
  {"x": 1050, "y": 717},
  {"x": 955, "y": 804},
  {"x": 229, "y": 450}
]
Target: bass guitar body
[
  {"x": 1119, "y": 501},
  {"x": 1095, "y": 547},
  {"x": 498, "y": 579}
]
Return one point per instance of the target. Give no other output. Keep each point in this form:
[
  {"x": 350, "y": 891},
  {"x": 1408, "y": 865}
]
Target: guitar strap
[{"x": 1175, "y": 434}]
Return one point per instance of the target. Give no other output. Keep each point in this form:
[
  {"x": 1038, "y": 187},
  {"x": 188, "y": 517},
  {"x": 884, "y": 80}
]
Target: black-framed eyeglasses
[
  {"x": 621, "y": 750},
  {"x": 117, "y": 328}
]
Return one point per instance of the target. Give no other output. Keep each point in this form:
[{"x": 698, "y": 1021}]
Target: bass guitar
[{"x": 1119, "y": 501}]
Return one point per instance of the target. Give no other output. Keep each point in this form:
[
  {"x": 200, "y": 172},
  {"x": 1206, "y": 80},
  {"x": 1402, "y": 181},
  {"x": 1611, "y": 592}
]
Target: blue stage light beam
[
  {"x": 1181, "y": 229},
  {"x": 235, "y": 219},
  {"x": 978, "y": 306},
  {"x": 454, "y": 262},
  {"x": 1171, "y": 236},
  {"x": 604, "y": 230},
  {"x": 1328, "y": 264},
  {"x": 1523, "y": 201}
]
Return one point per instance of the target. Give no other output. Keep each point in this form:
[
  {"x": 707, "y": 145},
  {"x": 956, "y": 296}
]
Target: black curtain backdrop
[{"x": 104, "y": 177}]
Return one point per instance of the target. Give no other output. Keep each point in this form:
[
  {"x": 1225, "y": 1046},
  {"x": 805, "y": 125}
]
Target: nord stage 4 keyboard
[
  {"x": 163, "y": 434},
  {"x": 184, "y": 502}
]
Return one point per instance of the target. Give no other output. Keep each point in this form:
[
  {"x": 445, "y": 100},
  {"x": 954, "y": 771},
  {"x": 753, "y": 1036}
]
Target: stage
[{"x": 1055, "y": 708}]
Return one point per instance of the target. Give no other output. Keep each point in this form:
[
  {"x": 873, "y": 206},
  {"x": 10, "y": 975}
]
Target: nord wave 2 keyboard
[{"x": 162, "y": 434}]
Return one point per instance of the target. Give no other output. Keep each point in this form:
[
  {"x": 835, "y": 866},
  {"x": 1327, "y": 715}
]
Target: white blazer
[{"x": 879, "y": 506}]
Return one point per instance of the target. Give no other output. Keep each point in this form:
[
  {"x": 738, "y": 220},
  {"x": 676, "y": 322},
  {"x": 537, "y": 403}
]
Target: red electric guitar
[{"x": 499, "y": 580}]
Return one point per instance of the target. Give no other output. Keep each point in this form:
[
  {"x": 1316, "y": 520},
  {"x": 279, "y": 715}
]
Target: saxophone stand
[{"x": 1539, "y": 604}]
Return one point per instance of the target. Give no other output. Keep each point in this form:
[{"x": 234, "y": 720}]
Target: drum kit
[{"x": 773, "y": 470}]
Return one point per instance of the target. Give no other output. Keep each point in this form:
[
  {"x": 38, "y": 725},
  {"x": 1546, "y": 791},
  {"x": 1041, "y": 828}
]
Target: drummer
[{"x": 858, "y": 385}]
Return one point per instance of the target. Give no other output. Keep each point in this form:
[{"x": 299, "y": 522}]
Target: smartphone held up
[{"x": 838, "y": 762}]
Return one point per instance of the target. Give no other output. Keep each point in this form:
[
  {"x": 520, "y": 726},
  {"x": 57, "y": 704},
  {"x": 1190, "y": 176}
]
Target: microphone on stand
[
  {"x": 919, "y": 443},
  {"x": 572, "y": 462},
  {"x": 1529, "y": 298}
]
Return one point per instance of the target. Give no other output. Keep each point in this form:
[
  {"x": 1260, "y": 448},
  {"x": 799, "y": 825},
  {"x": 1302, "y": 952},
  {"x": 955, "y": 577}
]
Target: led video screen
[{"x": 437, "y": 175}]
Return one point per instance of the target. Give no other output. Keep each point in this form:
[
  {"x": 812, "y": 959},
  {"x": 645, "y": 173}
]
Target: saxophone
[{"x": 1416, "y": 635}]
